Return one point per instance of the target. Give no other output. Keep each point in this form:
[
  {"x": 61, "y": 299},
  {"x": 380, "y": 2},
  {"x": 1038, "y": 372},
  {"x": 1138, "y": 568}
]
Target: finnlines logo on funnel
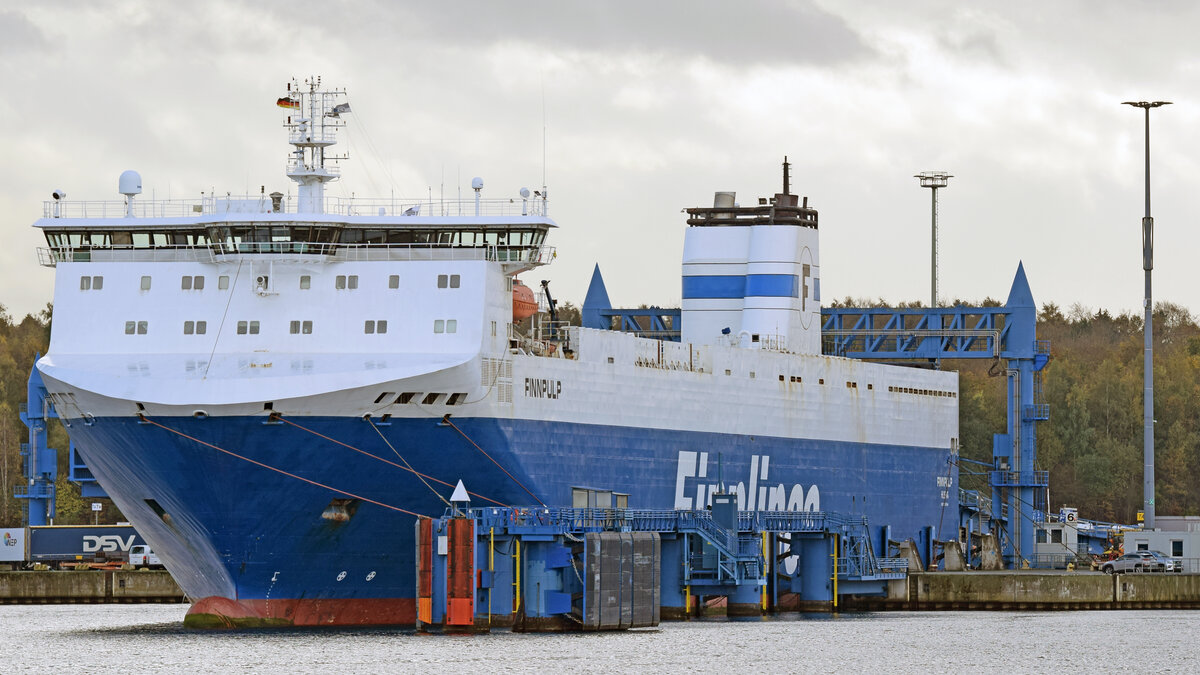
[{"x": 695, "y": 481}]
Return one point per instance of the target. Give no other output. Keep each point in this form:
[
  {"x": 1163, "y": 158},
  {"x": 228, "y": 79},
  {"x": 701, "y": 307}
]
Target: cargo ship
[{"x": 273, "y": 388}]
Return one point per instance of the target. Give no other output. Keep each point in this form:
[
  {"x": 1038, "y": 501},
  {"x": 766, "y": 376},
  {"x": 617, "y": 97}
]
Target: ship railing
[
  {"x": 261, "y": 203},
  {"x": 519, "y": 256},
  {"x": 51, "y": 256}
]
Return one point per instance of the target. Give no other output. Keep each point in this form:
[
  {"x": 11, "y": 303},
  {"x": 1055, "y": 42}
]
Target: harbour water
[{"x": 150, "y": 638}]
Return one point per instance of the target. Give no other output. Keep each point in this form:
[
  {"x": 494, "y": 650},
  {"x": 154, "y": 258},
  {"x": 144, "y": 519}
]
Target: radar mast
[{"x": 315, "y": 116}]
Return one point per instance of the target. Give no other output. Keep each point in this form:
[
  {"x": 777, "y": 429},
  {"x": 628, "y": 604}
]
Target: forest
[{"x": 1091, "y": 445}]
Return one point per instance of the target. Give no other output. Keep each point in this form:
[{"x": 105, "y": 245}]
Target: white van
[{"x": 142, "y": 556}]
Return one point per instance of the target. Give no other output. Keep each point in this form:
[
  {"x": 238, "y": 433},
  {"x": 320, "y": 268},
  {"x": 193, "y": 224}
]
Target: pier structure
[{"x": 553, "y": 569}]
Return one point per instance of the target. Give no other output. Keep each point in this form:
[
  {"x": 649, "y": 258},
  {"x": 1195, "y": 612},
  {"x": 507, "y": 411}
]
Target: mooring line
[
  {"x": 285, "y": 420},
  {"x": 423, "y": 481},
  {"x": 446, "y": 419},
  {"x": 281, "y": 471}
]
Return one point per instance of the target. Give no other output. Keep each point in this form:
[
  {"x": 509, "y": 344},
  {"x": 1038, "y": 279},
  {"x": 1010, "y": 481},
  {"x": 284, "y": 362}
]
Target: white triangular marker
[{"x": 460, "y": 493}]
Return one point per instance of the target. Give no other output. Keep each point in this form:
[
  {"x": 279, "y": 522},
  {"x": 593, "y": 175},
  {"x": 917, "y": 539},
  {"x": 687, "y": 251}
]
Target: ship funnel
[{"x": 724, "y": 200}]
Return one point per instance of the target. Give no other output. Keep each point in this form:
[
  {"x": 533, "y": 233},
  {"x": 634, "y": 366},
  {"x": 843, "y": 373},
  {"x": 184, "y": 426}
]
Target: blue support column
[{"x": 40, "y": 462}]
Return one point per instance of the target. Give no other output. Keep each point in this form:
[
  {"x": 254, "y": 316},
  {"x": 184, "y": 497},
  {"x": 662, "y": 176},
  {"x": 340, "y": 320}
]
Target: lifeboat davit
[{"x": 524, "y": 304}]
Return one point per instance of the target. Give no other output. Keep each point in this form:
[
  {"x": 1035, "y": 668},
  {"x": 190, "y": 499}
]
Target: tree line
[{"x": 1091, "y": 445}]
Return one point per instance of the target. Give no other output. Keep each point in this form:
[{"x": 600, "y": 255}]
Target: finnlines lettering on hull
[{"x": 539, "y": 388}]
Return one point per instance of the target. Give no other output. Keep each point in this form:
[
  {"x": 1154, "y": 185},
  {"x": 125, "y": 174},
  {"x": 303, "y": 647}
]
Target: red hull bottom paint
[{"x": 219, "y": 612}]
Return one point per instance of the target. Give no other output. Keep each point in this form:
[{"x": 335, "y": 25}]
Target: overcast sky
[{"x": 650, "y": 107}]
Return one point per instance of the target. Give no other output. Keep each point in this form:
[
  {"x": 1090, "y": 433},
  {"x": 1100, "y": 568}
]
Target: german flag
[{"x": 287, "y": 102}]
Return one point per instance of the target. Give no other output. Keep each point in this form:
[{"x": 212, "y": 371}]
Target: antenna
[{"x": 542, "y": 78}]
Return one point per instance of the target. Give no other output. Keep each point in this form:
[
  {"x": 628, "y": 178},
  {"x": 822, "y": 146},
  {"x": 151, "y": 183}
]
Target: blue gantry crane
[{"x": 1007, "y": 335}]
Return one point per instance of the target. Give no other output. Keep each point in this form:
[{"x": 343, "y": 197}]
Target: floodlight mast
[
  {"x": 1148, "y": 333},
  {"x": 934, "y": 180}
]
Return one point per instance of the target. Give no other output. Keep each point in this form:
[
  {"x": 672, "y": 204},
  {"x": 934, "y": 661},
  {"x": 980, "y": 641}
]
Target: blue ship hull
[{"x": 250, "y": 528}]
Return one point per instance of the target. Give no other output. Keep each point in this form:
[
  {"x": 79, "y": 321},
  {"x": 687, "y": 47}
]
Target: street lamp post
[
  {"x": 934, "y": 180},
  {"x": 1148, "y": 332}
]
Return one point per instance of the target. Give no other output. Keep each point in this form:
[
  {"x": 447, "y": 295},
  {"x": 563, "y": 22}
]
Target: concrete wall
[
  {"x": 1016, "y": 588},
  {"x": 88, "y": 586}
]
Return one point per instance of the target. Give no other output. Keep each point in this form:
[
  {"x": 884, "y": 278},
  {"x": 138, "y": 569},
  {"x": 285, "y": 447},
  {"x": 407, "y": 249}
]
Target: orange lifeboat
[{"x": 524, "y": 304}]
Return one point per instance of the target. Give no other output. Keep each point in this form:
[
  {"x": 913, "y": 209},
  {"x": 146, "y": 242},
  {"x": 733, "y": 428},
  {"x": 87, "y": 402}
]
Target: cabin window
[
  {"x": 381, "y": 326},
  {"x": 189, "y": 327},
  {"x": 254, "y": 328},
  {"x": 1055, "y": 536},
  {"x": 453, "y": 281},
  {"x": 340, "y": 282},
  {"x": 130, "y": 327},
  {"x": 394, "y": 281},
  {"x": 242, "y": 327},
  {"x": 145, "y": 283},
  {"x": 443, "y": 281},
  {"x": 97, "y": 283},
  {"x": 91, "y": 283},
  {"x": 369, "y": 327},
  {"x": 451, "y": 325},
  {"x": 1041, "y": 536},
  {"x": 143, "y": 327},
  {"x": 192, "y": 283},
  {"x": 301, "y": 328},
  {"x": 439, "y": 325},
  {"x": 222, "y": 282},
  {"x": 305, "y": 282},
  {"x": 352, "y": 281},
  {"x": 343, "y": 282}
]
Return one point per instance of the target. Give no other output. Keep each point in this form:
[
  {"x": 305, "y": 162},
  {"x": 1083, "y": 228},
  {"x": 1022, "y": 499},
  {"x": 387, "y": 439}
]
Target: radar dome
[
  {"x": 130, "y": 183},
  {"x": 524, "y": 193},
  {"x": 477, "y": 183}
]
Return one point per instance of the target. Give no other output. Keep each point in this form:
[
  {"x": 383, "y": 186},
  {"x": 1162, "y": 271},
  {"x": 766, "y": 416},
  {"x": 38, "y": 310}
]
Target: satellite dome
[
  {"x": 130, "y": 183},
  {"x": 477, "y": 183}
]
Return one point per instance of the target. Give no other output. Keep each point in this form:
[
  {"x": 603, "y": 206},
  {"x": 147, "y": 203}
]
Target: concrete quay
[
  {"x": 1035, "y": 590},
  {"x": 88, "y": 586}
]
